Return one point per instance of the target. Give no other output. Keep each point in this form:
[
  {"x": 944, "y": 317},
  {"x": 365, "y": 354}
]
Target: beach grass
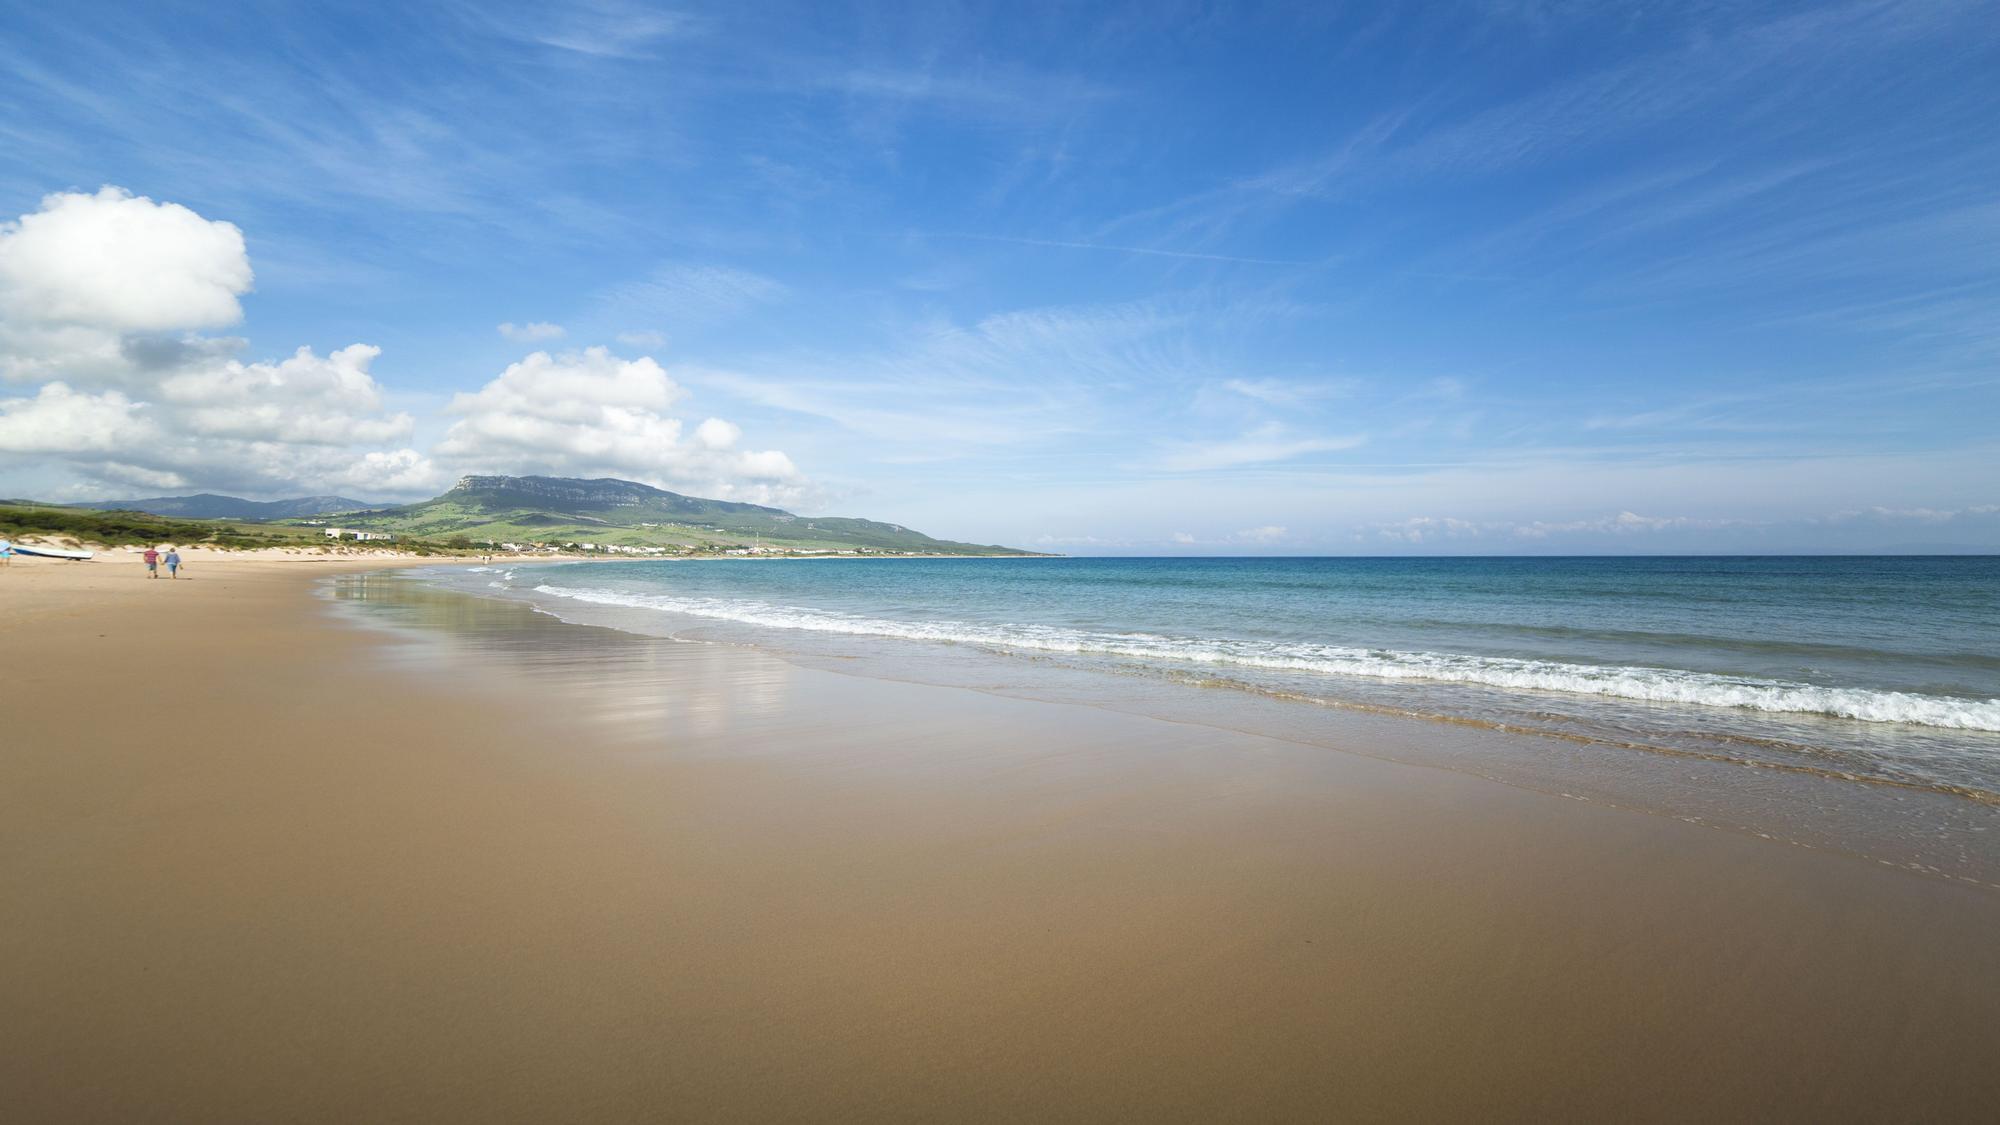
[{"x": 22, "y": 519}]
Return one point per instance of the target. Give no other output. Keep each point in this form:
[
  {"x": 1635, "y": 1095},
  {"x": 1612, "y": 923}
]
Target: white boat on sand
[{"x": 50, "y": 552}]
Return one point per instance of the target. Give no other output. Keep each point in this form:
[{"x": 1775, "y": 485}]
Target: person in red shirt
[{"x": 152, "y": 558}]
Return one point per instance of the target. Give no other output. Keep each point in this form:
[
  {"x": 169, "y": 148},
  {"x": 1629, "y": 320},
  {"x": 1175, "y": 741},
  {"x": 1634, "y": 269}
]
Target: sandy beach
[{"x": 263, "y": 864}]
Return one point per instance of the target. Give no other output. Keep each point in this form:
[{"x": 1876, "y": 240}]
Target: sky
[{"x": 1157, "y": 278}]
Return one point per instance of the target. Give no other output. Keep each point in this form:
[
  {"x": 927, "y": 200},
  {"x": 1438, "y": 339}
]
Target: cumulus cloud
[
  {"x": 113, "y": 440},
  {"x": 714, "y": 433},
  {"x": 61, "y": 420},
  {"x": 102, "y": 299},
  {"x": 533, "y": 332},
  {"x": 394, "y": 471},
  {"x": 306, "y": 398},
  {"x": 593, "y": 413},
  {"x": 122, "y": 262},
  {"x": 100, "y": 289},
  {"x": 296, "y": 424}
]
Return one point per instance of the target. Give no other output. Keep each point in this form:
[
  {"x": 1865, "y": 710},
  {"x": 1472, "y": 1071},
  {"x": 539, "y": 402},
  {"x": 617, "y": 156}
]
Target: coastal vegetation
[
  {"x": 494, "y": 514},
  {"x": 22, "y": 518}
]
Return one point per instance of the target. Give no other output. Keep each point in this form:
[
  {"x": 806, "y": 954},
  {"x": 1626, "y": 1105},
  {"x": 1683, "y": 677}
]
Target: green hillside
[
  {"x": 209, "y": 506},
  {"x": 608, "y": 512}
]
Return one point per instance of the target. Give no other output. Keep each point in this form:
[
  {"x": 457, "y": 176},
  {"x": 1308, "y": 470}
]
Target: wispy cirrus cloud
[
  {"x": 1148, "y": 251},
  {"x": 1289, "y": 392},
  {"x": 1265, "y": 444},
  {"x": 1005, "y": 380},
  {"x": 1702, "y": 262},
  {"x": 607, "y": 29},
  {"x": 687, "y": 294}
]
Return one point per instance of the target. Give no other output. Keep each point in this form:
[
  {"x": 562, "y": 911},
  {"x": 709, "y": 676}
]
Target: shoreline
[
  {"x": 502, "y": 867},
  {"x": 1928, "y": 827}
]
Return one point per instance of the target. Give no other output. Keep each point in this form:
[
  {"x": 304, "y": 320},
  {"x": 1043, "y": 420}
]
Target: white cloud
[
  {"x": 121, "y": 262},
  {"x": 60, "y": 420},
  {"x": 306, "y": 399},
  {"x": 593, "y": 413},
  {"x": 101, "y": 297},
  {"x": 101, "y": 301},
  {"x": 533, "y": 332},
  {"x": 1264, "y": 536},
  {"x": 1623, "y": 523},
  {"x": 1423, "y": 529},
  {"x": 714, "y": 433},
  {"x": 1627, "y": 529},
  {"x": 396, "y": 471},
  {"x": 1270, "y": 533},
  {"x": 574, "y": 387},
  {"x": 111, "y": 440},
  {"x": 1919, "y": 515},
  {"x": 94, "y": 288}
]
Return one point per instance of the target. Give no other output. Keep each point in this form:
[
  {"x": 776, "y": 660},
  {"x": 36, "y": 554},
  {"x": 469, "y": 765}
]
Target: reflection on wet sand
[
  {"x": 1139, "y": 901},
  {"x": 625, "y": 686},
  {"x": 636, "y": 666}
]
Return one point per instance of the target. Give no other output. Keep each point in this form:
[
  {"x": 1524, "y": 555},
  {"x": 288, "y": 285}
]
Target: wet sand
[{"x": 261, "y": 864}]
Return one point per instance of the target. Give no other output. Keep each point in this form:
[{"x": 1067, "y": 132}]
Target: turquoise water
[{"x": 1879, "y": 669}]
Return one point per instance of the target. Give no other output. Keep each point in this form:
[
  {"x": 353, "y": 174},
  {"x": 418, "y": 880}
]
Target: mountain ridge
[
  {"x": 214, "y": 506},
  {"x": 616, "y": 512}
]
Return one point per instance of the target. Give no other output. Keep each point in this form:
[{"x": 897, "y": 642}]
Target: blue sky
[{"x": 1475, "y": 278}]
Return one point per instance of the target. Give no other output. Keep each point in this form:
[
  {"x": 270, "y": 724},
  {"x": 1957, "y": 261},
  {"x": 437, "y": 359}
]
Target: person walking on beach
[
  {"x": 6, "y": 552},
  {"x": 152, "y": 558},
  {"x": 173, "y": 561}
]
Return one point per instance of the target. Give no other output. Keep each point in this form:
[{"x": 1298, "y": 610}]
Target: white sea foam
[{"x": 1654, "y": 685}]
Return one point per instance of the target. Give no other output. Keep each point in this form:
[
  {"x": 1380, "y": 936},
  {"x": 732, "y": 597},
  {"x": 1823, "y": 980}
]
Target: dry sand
[{"x": 261, "y": 865}]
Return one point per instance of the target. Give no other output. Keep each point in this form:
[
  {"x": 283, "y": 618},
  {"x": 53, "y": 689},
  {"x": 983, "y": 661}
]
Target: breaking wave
[{"x": 1644, "y": 684}]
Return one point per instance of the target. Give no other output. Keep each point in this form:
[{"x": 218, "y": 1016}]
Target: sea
[{"x": 1720, "y": 675}]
